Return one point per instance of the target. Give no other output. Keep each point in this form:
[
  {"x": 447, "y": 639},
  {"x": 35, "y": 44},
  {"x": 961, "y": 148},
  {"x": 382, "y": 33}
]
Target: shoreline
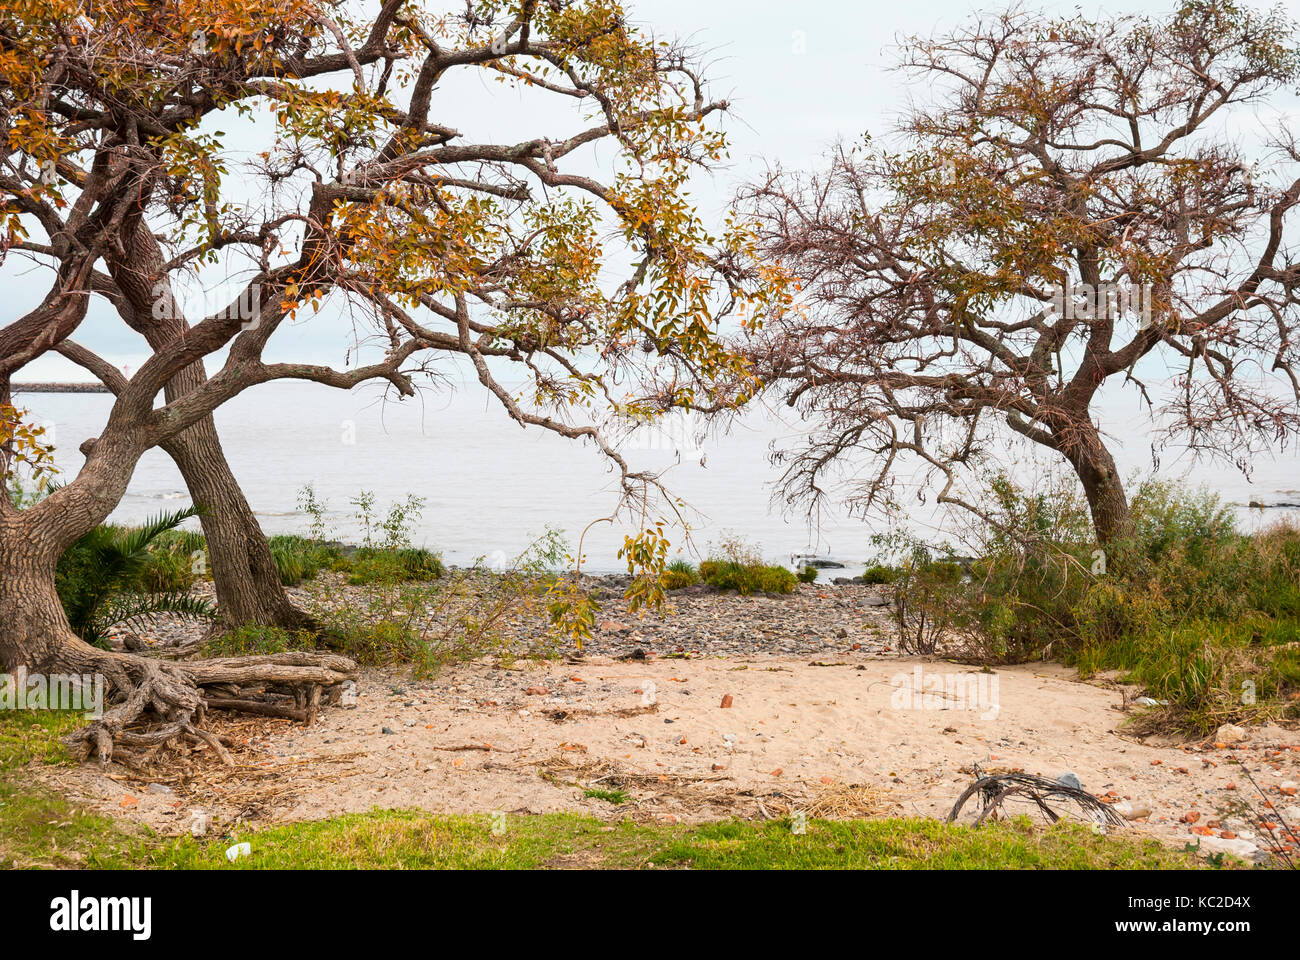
[{"x": 87, "y": 387}]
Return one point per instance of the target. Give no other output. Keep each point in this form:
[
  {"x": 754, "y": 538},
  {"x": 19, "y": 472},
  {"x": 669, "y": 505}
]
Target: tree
[
  {"x": 491, "y": 252},
  {"x": 1069, "y": 205}
]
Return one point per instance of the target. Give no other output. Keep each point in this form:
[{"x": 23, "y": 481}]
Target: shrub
[
  {"x": 414, "y": 612},
  {"x": 679, "y": 574},
  {"x": 807, "y": 574},
  {"x": 747, "y": 578},
  {"x": 736, "y": 565},
  {"x": 298, "y": 559},
  {"x": 1198, "y": 613},
  {"x": 386, "y": 565},
  {"x": 879, "y": 573},
  {"x": 255, "y": 639},
  {"x": 113, "y": 576}
]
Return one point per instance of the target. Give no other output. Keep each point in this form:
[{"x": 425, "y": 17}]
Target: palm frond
[
  {"x": 128, "y": 609},
  {"x": 134, "y": 542}
]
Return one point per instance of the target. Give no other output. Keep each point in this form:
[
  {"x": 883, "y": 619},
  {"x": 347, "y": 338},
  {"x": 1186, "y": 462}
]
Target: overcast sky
[{"x": 800, "y": 75}]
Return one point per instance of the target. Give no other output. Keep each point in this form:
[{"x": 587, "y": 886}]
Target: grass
[
  {"x": 299, "y": 558},
  {"x": 388, "y": 839},
  {"x": 616, "y": 797},
  {"x": 38, "y": 828},
  {"x": 747, "y": 578},
  {"x": 909, "y": 844},
  {"x": 679, "y": 574},
  {"x": 256, "y": 640}
]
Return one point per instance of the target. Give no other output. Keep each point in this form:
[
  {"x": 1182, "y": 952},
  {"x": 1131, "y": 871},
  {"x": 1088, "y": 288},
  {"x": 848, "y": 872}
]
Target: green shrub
[
  {"x": 384, "y": 565},
  {"x": 679, "y": 574},
  {"x": 736, "y": 565},
  {"x": 114, "y": 576},
  {"x": 879, "y": 573},
  {"x": 255, "y": 639},
  {"x": 747, "y": 578},
  {"x": 807, "y": 574},
  {"x": 1201, "y": 615},
  {"x": 298, "y": 559}
]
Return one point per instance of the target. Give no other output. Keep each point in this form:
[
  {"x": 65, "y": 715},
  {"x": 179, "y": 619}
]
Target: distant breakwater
[{"x": 58, "y": 388}]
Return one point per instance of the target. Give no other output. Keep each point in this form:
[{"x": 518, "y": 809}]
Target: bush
[
  {"x": 807, "y": 574},
  {"x": 746, "y": 578},
  {"x": 735, "y": 565},
  {"x": 1198, "y": 613},
  {"x": 255, "y": 639},
  {"x": 114, "y": 576},
  {"x": 880, "y": 574},
  {"x": 298, "y": 559},
  {"x": 679, "y": 574},
  {"x": 386, "y": 565}
]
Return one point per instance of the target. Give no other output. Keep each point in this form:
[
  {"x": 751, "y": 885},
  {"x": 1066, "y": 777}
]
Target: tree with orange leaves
[{"x": 594, "y": 281}]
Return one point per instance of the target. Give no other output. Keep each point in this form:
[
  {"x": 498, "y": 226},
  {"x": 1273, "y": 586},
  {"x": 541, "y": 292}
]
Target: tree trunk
[
  {"x": 168, "y": 697},
  {"x": 1112, "y": 520},
  {"x": 247, "y": 581}
]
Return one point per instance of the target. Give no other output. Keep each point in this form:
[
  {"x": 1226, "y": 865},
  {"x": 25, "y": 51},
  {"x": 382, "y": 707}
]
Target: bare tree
[
  {"x": 488, "y": 251},
  {"x": 1069, "y": 200}
]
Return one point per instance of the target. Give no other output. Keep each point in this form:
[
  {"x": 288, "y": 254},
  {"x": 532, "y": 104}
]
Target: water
[{"x": 492, "y": 487}]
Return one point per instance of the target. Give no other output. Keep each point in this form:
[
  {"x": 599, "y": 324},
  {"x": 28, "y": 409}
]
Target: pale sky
[{"x": 800, "y": 77}]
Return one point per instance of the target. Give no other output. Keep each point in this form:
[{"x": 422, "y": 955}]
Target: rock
[
  {"x": 537, "y": 691},
  {"x": 1132, "y": 809},
  {"x": 726, "y": 701},
  {"x": 1148, "y": 702},
  {"x": 1231, "y": 733},
  {"x": 387, "y": 730},
  {"x": 1237, "y": 847},
  {"x": 158, "y": 788},
  {"x": 1068, "y": 779}
]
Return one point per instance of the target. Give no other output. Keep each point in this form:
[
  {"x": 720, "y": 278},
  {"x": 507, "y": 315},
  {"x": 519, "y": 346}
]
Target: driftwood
[{"x": 995, "y": 790}]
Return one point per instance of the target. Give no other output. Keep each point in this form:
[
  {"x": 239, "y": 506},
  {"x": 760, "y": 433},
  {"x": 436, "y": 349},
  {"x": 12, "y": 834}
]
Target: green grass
[
  {"x": 909, "y": 844},
  {"x": 679, "y": 574},
  {"x": 38, "y": 828},
  {"x": 256, "y": 640},
  {"x": 416, "y": 840},
  {"x": 747, "y": 578},
  {"x": 27, "y": 735},
  {"x": 299, "y": 558},
  {"x": 616, "y": 797}
]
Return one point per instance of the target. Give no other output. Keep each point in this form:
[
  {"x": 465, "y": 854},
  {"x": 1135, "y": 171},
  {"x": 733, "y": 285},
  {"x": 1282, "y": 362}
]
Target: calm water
[{"x": 491, "y": 486}]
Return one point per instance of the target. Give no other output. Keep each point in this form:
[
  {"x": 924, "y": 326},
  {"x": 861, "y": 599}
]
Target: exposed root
[{"x": 162, "y": 702}]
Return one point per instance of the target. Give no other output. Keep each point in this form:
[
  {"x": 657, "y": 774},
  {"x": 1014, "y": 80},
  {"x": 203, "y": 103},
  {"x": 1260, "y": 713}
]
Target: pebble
[{"x": 1231, "y": 733}]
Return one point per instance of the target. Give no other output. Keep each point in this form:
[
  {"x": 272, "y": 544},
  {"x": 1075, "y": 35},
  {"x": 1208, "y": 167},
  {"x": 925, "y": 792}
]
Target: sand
[{"x": 841, "y": 735}]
